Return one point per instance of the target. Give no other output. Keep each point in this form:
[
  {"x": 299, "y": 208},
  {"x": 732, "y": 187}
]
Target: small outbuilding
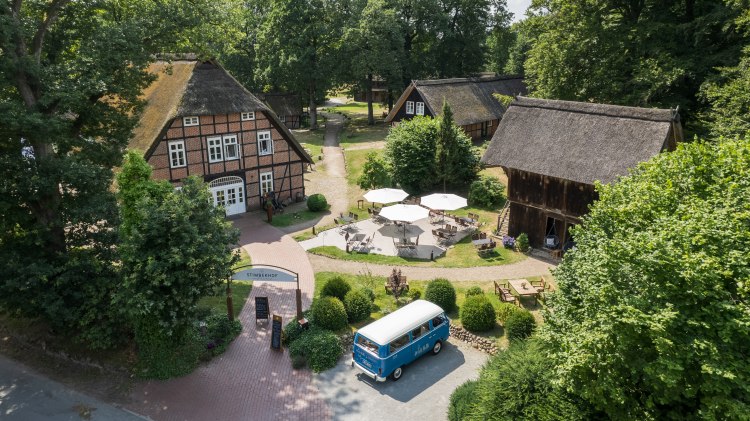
[
  {"x": 554, "y": 151},
  {"x": 475, "y": 107},
  {"x": 286, "y": 106}
]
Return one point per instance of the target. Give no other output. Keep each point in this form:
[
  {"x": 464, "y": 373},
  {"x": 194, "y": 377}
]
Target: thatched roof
[
  {"x": 577, "y": 141},
  {"x": 283, "y": 104},
  {"x": 471, "y": 99},
  {"x": 193, "y": 88}
]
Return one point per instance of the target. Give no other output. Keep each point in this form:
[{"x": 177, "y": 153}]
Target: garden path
[{"x": 250, "y": 381}]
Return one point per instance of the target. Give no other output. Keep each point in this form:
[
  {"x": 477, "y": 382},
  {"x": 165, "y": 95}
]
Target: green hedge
[
  {"x": 328, "y": 313},
  {"x": 321, "y": 348},
  {"x": 477, "y": 314},
  {"x": 473, "y": 291},
  {"x": 335, "y": 287},
  {"x": 505, "y": 310},
  {"x": 317, "y": 202},
  {"x": 441, "y": 292},
  {"x": 486, "y": 192},
  {"x": 461, "y": 400},
  {"x": 520, "y": 325},
  {"x": 358, "y": 305}
]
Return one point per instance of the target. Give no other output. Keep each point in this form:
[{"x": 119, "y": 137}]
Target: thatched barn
[
  {"x": 475, "y": 108},
  {"x": 287, "y": 107},
  {"x": 554, "y": 151},
  {"x": 200, "y": 121}
]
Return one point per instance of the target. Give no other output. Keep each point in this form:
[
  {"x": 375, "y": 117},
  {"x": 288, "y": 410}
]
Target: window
[
  {"x": 409, "y": 107},
  {"x": 437, "y": 321},
  {"x": 266, "y": 182},
  {"x": 282, "y": 118},
  {"x": 250, "y": 115},
  {"x": 177, "y": 154},
  {"x": 189, "y": 121},
  {"x": 265, "y": 144},
  {"x": 421, "y": 330},
  {"x": 398, "y": 344},
  {"x": 367, "y": 344},
  {"x": 214, "y": 149},
  {"x": 231, "y": 151},
  {"x": 420, "y": 108}
]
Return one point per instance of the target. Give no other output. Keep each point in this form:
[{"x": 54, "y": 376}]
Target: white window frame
[
  {"x": 410, "y": 107},
  {"x": 269, "y": 150},
  {"x": 231, "y": 139},
  {"x": 266, "y": 179},
  {"x": 420, "y": 108},
  {"x": 190, "y": 121},
  {"x": 177, "y": 153},
  {"x": 282, "y": 118},
  {"x": 215, "y": 149},
  {"x": 247, "y": 116}
]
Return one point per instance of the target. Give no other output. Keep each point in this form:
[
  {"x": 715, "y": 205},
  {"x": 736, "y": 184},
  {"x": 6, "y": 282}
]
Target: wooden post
[{"x": 230, "y": 307}]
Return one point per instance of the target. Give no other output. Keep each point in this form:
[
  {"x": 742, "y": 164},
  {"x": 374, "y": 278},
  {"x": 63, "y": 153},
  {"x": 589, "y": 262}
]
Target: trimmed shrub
[
  {"x": 441, "y": 292},
  {"x": 329, "y": 313},
  {"x": 317, "y": 202},
  {"x": 161, "y": 356},
  {"x": 474, "y": 291},
  {"x": 522, "y": 242},
  {"x": 520, "y": 325},
  {"x": 292, "y": 331},
  {"x": 298, "y": 361},
  {"x": 415, "y": 294},
  {"x": 461, "y": 400},
  {"x": 477, "y": 314},
  {"x": 358, "y": 305},
  {"x": 335, "y": 287},
  {"x": 221, "y": 332},
  {"x": 370, "y": 294},
  {"x": 321, "y": 348},
  {"x": 505, "y": 310},
  {"x": 486, "y": 192}
]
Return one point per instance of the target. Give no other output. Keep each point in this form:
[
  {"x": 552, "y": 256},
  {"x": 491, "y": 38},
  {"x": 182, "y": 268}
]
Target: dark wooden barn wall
[{"x": 401, "y": 113}]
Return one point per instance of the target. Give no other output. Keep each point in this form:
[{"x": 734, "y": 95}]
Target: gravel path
[{"x": 531, "y": 266}]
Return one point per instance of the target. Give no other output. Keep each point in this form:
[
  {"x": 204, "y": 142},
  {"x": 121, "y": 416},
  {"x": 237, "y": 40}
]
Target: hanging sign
[
  {"x": 264, "y": 274},
  {"x": 276, "y": 332}
]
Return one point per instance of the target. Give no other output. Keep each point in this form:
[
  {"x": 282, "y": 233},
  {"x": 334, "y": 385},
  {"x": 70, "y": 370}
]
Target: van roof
[{"x": 390, "y": 327}]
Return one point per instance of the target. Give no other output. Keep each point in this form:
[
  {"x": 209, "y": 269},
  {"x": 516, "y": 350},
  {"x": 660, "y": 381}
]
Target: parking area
[{"x": 423, "y": 392}]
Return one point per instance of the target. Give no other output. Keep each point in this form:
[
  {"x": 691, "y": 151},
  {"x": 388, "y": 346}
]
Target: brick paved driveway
[{"x": 249, "y": 381}]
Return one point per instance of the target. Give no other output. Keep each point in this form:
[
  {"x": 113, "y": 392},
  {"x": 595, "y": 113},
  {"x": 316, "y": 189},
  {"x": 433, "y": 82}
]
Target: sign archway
[{"x": 266, "y": 273}]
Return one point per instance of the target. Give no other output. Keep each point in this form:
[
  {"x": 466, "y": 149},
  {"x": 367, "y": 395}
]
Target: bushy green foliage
[
  {"x": 729, "y": 96},
  {"x": 505, "y": 310},
  {"x": 335, "y": 287},
  {"x": 475, "y": 290},
  {"x": 220, "y": 332},
  {"x": 298, "y": 361},
  {"x": 461, "y": 401},
  {"x": 415, "y": 293},
  {"x": 321, "y": 348},
  {"x": 375, "y": 173},
  {"x": 328, "y": 313},
  {"x": 522, "y": 243},
  {"x": 477, "y": 313},
  {"x": 441, "y": 292},
  {"x": 292, "y": 331},
  {"x": 518, "y": 384},
  {"x": 370, "y": 293},
  {"x": 519, "y": 325},
  {"x": 358, "y": 305},
  {"x": 161, "y": 356},
  {"x": 652, "y": 305},
  {"x": 456, "y": 161},
  {"x": 317, "y": 202},
  {"x": 487, "y": 192},
  {"x": 410, "y": 153}
]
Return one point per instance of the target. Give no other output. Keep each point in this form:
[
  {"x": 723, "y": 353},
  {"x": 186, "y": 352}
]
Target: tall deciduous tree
[
  {"x": 459, "y": 48},
  {"x": 651, "y": 319}
]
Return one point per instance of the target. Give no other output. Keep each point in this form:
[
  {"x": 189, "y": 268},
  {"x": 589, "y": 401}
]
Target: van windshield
[{"x": 368, "y": 344}]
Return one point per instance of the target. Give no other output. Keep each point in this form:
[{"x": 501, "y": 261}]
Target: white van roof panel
[{"x": 383, "y": 331}]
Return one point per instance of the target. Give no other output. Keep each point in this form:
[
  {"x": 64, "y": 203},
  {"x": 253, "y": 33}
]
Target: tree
[
  {"x": 418, "y": 26},
  {"x": 500, "y": 40},
  {"x": 375, "y": 173},
  {"x": 459, "y": 47},
  {"x": 729, "y": 96},
  {"x": 410, "y": 153},
  {"x": 178, "y": 249},
  {"x": 650, "y": 321},
  {"x": 456, "y": 162}
]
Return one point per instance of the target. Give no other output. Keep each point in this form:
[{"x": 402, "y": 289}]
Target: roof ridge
[
  {"x": 472, "y": 79},
  {"x": 590, "y": 108}
]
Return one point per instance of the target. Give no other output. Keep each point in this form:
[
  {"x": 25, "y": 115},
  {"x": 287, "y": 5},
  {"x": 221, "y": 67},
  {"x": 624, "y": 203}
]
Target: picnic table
[
  {"x": 524, "y": 288},
  {"x": 481, "y": 242}
]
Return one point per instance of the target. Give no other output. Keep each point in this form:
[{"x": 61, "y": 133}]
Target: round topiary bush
[
  {"x": 477, "y": 314},
  {"x": 522, "y": 243},
  {"x": 321, "y": 348},
  {"x": 335, "y": 287},
  {"x": 505, "y": 310},
  {"x": 441, "y": 292},
  {"x": 520, "y": 325},
  {"x": 317, "y": 202},
  {"x": 415, "y": 294},
  {"x": 328, "y": 313},
  {"x": 486, "y": 192},
  {"x": 461, "y": 401},
  {"x": 473, "y": 291},
  {"x": 358, "y": 305}
]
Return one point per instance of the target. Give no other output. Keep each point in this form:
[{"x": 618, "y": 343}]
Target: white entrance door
[{"x": 229, "y": 192}]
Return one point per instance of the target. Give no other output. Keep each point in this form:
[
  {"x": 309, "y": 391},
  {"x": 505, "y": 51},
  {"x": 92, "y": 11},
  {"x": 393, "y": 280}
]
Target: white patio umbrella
[
  {"x": 404, "y": 213},
  {"x": 443, "y": 201},
  {"x": 385, "y": 195}
]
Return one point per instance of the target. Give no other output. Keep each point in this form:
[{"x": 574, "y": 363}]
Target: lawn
[
  {"x": 358, "y": 110},
  {"x": 357, "y": 133},
  {"x": 312, "y": 140},
  {"x": 385, "y": 304},
  {"x": 290, "y": 218}
]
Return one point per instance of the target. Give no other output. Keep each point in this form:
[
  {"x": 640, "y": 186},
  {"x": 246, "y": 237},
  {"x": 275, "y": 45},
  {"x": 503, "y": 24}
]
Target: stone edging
[{"x": 483, "y": 344}]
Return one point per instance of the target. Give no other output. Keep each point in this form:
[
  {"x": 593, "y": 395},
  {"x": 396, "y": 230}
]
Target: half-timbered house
[
  {"x": 554, "y": 151},
  {"x": 472, "y": 100},
  {"x": 199, "y": 121},
  {"x": 286, "y": 106}
]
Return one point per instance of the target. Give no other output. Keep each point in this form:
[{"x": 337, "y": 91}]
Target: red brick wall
[{"x": 285, "y": 163}]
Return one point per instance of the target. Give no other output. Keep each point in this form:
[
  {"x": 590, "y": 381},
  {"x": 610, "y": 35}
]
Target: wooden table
[
  {"x": 524, "y": 288},
  {"x": 481, "y": 242}
]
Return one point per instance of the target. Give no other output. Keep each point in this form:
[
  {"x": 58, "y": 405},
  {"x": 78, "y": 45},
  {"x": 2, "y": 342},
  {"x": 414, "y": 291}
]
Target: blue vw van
[{"x": 385, "y": 346}]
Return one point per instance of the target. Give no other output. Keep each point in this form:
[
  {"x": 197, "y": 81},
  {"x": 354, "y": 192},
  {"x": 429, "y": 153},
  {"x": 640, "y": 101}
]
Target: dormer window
[
  {"x": 409, "y": 107},
  {"x": 190, "y": 121},
  {"x": 250, "y": 115}
]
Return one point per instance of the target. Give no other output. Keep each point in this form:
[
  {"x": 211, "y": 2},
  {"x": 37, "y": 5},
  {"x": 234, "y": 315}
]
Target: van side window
[
  {"x": 367, "y": 344},
  {"x": 421, "y": 330},
  {"x": 398, "y": 344},
  {"x": 437, "y": 321}
]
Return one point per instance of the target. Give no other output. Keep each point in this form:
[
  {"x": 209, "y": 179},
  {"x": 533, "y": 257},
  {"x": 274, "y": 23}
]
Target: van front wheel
[
  {"x": 437, "y": 347},
  {"x": 397, "y": 374}
]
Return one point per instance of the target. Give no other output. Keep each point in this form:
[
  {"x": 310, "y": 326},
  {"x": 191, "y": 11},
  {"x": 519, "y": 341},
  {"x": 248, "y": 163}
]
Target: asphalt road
[
  {"x": 28, "y": 396},
  {"x": 422, "y": 393}
]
